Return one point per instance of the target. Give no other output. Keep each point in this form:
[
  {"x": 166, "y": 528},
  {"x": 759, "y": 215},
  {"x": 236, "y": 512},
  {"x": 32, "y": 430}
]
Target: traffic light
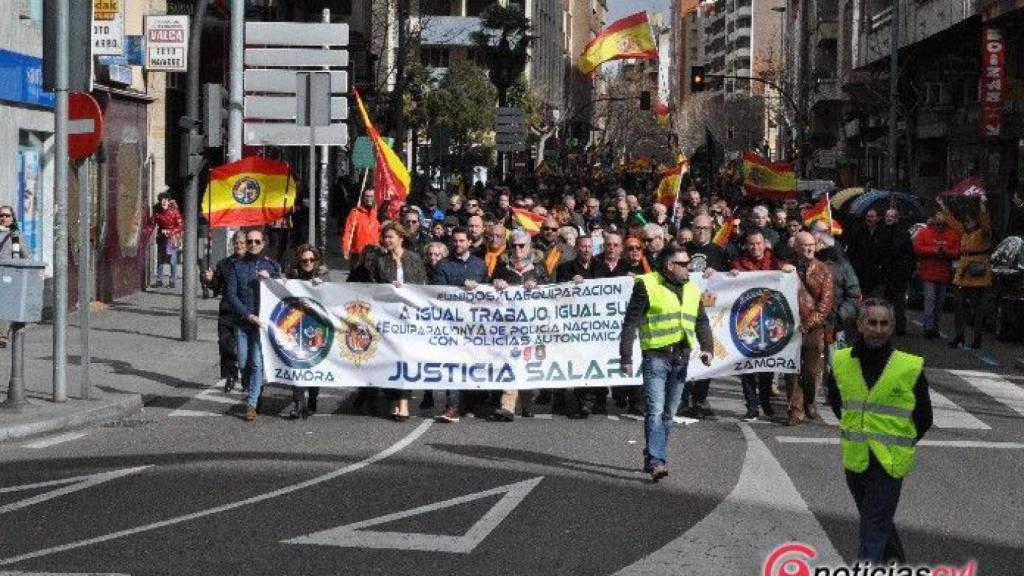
[
  {"x": 696, "y": 79},
  {"x": 645, "y": 100}
]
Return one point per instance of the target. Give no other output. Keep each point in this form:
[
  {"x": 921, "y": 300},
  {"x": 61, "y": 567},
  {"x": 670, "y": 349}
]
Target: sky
[{"x": 619, "y": 8}]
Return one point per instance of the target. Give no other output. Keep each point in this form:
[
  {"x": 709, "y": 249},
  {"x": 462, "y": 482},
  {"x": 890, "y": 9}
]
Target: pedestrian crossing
[{"x": 961, "y": 400}]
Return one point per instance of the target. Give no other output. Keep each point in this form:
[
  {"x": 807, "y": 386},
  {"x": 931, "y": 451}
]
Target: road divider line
[
  {"x": 54, "y": 440},
  {"x": 764, "y": 502},
  {"x": 354, "y": 467}
]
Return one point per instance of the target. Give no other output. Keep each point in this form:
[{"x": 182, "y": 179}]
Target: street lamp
[{"x": 781, "y": 144}]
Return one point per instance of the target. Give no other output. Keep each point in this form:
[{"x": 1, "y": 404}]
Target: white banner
[{"x": 555, "y": 336}]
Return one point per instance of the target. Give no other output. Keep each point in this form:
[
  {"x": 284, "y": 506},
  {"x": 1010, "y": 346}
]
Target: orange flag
[
  {"x": 391, "y": 179},
  {"x": 529, "y": 221}
]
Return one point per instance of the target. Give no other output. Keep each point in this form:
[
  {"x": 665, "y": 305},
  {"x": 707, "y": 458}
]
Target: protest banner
[{"x": 554, "y": 336}]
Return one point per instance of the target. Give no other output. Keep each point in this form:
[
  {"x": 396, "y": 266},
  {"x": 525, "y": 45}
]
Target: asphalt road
[{"x": 189, "y": 488}]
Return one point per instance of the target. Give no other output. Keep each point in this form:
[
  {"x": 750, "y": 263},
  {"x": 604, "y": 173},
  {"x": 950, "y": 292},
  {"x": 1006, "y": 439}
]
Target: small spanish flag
[
  {"x": 724, "y": 233},
  {"x": 529, "y": 221},
  {"x": 822, "y": 210},
  {"x": 249, "y": 192},
  {"x": 671, "y": 180},
  {"x": 627, "y": 38},
  {"x": 390, "y": 177},
  {"x": 763, "y": 178}
]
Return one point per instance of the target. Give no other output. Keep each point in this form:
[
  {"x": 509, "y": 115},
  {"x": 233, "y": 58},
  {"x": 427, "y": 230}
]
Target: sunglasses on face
[
  {"x": 633, "y": 247},
  {"x": 252, "y": 242},
  {"x": 549, "y": 229},
  {"x": 473, "y": 204},
  {"x": 307, "y": 260},
  {"x": 683, "y": 263}
]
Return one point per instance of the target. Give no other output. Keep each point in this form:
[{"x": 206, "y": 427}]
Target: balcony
[
  {"x": 449, "y": 30},
  {"x": 826, "y": 91}
]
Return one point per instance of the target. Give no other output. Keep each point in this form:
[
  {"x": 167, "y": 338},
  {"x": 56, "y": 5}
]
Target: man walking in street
[
  {"x": 666, "y": 309},
  {"x": 462, "y": 269},
  {"x": 243, "y": 293},
  {"x": 881, "y": 398},
  {"x": 578, "y": 270},
  {"x": 936, "y": 246},
  {"x": 815, "y": 301},
  {"x": 227, "y": 320}
]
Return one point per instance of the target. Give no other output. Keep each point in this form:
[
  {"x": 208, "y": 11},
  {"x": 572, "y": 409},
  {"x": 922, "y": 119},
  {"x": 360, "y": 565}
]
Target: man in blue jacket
[
  {"x": 243, "y": 295},
  {"x": 463, "y": 269}
]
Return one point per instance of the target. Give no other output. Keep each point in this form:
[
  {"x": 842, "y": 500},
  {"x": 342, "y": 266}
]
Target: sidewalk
[{"x": 137, "y": 358}]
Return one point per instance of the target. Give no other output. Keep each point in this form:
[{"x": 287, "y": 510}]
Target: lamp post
[{"x": 781, "y": 140}]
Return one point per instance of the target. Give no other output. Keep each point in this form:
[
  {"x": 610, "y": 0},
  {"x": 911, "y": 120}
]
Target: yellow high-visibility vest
[{"x": 670, "y": 317}]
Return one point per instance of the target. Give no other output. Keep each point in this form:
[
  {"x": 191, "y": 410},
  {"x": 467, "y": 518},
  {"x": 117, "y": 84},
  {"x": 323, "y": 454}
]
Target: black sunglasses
[
  {"x": 254, "y": 242},
  {"x": 307, "y": 260}
]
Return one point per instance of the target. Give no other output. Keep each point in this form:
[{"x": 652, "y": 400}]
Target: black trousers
[
  {"x": 896, "y": 292},
  {"x": 970, "y": 303},
  {"x": 228, "y": 350},
  {"x": 877, "y": 495}
]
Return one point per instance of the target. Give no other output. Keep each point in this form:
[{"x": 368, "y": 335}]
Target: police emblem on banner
[
  {"x": 761, "y": 323},
  {"x": 300, "y": 332},
  {"x": 246, "y": 190},
  {"x": 360, "y": 337}
]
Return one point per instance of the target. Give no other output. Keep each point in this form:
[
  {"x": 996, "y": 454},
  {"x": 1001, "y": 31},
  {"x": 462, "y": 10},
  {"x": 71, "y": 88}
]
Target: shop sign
[
  {"x": 166, "y": 43},
  {"x": 107, "y": 27},
  {"x": 21, "y": 80},
  {"x": 993, "y": 82}
]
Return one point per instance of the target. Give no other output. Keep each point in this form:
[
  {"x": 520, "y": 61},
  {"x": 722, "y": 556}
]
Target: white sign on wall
[
  {"x": 166, "y": 43},
  {"x": 107, "y": 27}
]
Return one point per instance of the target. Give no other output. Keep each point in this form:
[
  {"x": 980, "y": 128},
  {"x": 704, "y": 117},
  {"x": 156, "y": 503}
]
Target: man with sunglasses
[
  {"x": 554, "y": 250},
  {"x": 243, "y": 294},
  {"x": 665, "y": 308},
  {"x": 418, "y": 237}
]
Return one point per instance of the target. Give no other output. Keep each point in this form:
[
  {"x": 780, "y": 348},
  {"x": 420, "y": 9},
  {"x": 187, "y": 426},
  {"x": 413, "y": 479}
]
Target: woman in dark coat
[
  {"x": 306, "y": 265},
  {"x": 397, "y": 266}
]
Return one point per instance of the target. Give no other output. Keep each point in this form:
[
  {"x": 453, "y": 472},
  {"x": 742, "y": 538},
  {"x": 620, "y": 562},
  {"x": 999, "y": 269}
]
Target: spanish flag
[
  {"x": 529, "y": 221},
  {"x": 249, "y": 192},
  {"x": 763, "y": 178},
  {"x": 627, "y": 38},
  {"x": 671, "y": 180},
  {"x": 822, "y": 210},
  {"x": 390, "y": 177},
  {"x": 724, "y": 233}
]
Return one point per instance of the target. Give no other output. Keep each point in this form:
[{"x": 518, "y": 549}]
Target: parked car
[{"x": 1008, "y": 289}]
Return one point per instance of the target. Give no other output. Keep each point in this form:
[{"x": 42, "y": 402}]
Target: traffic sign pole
[
  {"x": 84, "y": 277},
  {"x": 60, "y": 216}
]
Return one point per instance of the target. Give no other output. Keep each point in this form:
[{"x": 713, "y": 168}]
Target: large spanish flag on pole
[
  {"x": 249, "y": 192},
  {"x": 671, "y": 181},
  {"x": 822, "y": 210},
  {"x": 390, "y": 177},
  {"x": 627, "y": 38},
  {"x": 766, "y": 179}
]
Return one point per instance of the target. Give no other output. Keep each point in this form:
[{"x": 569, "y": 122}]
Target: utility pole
[
  {"x": 803, "y": 77},
  {"x": 60, "y": 216},
  {"x": 322, "y": 205},
  {"x": 189, "y": 278},
  {"x": 236, "y": 91},
  {"x": 398, "y": 95},
  {"x": 894, "y": 94}
]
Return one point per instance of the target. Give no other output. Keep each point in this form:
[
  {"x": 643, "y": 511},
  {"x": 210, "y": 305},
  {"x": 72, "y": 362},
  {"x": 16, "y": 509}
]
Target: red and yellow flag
[
  {"x": 529, "y": 221},
  {"x": 627, "y": 38},
  {"x": 724, "y": 233},
  {"x": 763, "y": 178},
  {"x": 249, "y": 192},
  {"x": 668, "y": 189},
  {"x": 822, "y": 210},
  {"x": 662, "y": 113},
  {"x": 391, "y": 179}
]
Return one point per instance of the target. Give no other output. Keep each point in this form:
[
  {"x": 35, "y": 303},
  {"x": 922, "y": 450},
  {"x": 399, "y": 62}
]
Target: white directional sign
[
  {"x": 67, "y": 486},
  {"x": 511, "y": 130},
  {"x": 356, "y": 536},
  {"x": 166, "y": 43},
  {"x": 107, "y": 27}
]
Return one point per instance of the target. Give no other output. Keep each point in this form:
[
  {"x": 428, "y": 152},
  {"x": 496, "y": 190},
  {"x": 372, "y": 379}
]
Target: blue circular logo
[
  {"x": 300, "y": 332},
  {"x": 246, "y": 190},
  {"x": 761, "y": 323}
]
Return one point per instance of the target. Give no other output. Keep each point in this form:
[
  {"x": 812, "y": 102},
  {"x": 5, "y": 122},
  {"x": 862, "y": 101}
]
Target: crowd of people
[{"x": 613, "y": 227}]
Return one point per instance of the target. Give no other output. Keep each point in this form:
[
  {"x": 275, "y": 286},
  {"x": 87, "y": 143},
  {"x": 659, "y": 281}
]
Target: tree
[
  {"x": 504, "y": 40},
  {"x": 463, "y": 102}
]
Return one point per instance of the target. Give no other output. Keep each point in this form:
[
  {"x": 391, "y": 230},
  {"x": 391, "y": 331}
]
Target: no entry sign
[{"x": 85, "y": 125}]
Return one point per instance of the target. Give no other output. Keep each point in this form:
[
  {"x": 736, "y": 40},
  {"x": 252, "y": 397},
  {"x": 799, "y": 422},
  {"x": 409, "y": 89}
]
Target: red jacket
[
  {"x": 169, "y": 220},
  {"x": 933, "y": 264},
  {"x": 744, "y": 263},
  {"x": 362, "y": 229}
]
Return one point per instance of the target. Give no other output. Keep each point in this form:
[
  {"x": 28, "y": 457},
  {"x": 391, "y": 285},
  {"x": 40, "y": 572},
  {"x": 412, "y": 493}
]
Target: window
[
  {"x": 434, "y": 57},
  {"x": 436, "y": 7},
  {"x": 477, "y": 7},
  {"x": 30, "y": 11}
]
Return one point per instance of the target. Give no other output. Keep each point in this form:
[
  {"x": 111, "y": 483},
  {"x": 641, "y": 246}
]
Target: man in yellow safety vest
[
  {"x": 880, "y": 396},
  {"x": 666, "y": 309}
]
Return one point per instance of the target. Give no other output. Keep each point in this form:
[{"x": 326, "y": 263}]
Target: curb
[{"x": 110, "y": 410}]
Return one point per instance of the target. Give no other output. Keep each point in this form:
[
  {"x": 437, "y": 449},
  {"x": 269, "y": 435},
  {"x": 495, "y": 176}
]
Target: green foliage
[
  {"x": 463, "y": 101},
  {"x": 520, "y": 95},
  {"x": 504, "y": 40}
]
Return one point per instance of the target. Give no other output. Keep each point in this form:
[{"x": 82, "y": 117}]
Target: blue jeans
[
  {"x": 934, "y": 297},
  {"x": 250, "y": 360},
  {"x": 664, "y": 381},
  {"x": 877, "y": 494}
]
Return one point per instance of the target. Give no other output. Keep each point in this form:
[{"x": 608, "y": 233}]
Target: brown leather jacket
[{"x": 815, "y": 296}]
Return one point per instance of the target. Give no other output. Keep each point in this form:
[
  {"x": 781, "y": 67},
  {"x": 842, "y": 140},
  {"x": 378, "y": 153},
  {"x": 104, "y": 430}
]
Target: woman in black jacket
[
  {"x": 306, "y": 265},
  {"x": 397, "y": 266}
]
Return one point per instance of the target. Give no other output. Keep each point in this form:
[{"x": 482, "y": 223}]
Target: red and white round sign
[{"x": 85, "y": 125}]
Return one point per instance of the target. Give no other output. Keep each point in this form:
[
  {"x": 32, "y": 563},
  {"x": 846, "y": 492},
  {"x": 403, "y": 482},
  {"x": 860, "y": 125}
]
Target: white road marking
[
  {"x": 354, "y": 535},
  {"x": 948, "y": 414},
  {"x": 54, "y": 440},
  {"x": 391, "y": 450},
  {"x": 181, "y": 412},
  {"x": 827, "y": 416},
  {"x": 931, "y": 443},
  {"x": 764, "y": 503},
  {"x": 613, "y": 417},
  {"x": 1000, "y": 389},
  {"x": 542, "y": 416},
  {"x": 70, "y": 485},
  {"x": 684, "y": 420}
]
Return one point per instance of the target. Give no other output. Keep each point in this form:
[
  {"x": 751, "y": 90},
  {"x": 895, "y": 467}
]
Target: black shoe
[
  {"x": 689, "y": 412},
  {"x": 581, "y": 414},
  {"x": 956, "y": 342},
  {"x": 229, "y": 385},
  {"x": 621, "y": 403},
  {"x": 769, "y": 411},
  {"x": 501, "y": 415},
  {"x": 658, "y": 473},
  {"x": 526, "y": 413},
  {"x": 705, "y": 412},
  {"x": 750, "y": 416},
  {"x": 428, "y": 400},
  {"x": 298, "y": 411},
  {"x": 635, "y": 409}
]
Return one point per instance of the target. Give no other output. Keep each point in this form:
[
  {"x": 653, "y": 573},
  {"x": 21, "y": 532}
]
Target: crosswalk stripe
[
  {"x": 998, "y": 388},
  {"x": 948, "y": 414},
  {"x": 180, "y": 412},
  {"x": 54, "y": 440}
]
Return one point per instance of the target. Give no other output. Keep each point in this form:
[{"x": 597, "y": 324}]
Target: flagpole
[
  {"x": 209, "y": 222},
  {"x": 679, "y": 190}
]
